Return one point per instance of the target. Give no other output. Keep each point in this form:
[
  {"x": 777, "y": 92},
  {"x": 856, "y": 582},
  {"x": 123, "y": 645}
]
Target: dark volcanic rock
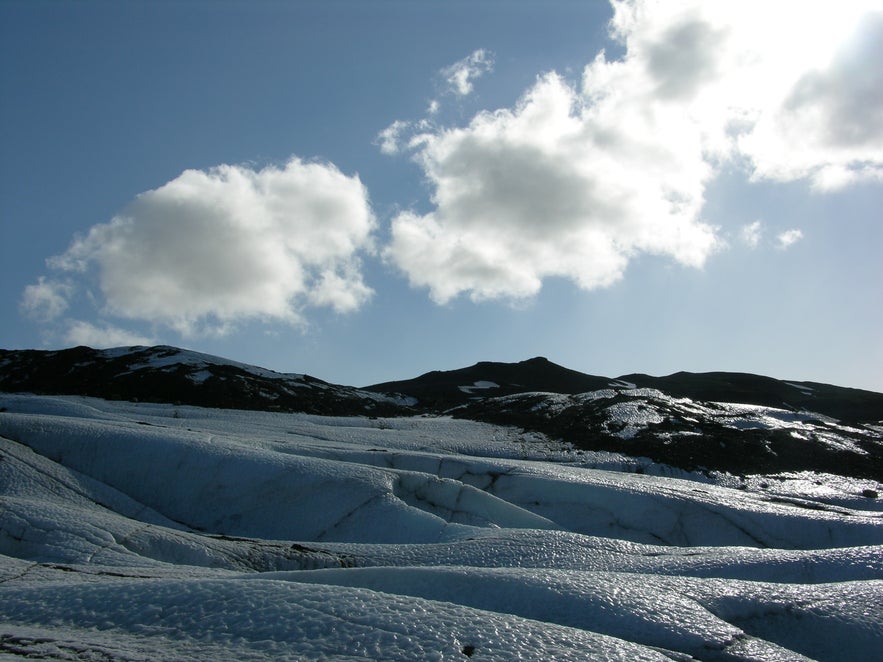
[
  {"x": 732, "y": 422},
  {"x": 169, "y": 374},
  {"x": 692, "y": 434},
  {"x": 810, "y": 427},
  {"x": 443, "y": 389},
  {"x": 440, "y": 390},
  {"x": 849, "y": 405}
]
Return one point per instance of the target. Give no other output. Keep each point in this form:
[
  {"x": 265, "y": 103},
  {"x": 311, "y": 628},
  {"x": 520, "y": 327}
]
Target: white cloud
[
  {"x": 211, "y": 248},
  {"x": 100, "y": 337},
  {"x": 460, "y": 75},
  {"x": 555, "y": 187},
  {"x": 751, "y": 233},
  {"x": 390, "y": 139},
  {"x": 339, "y": 288},
  {"x": 403, "y": 135},
  {"x": 576, "y": 180},
  {"x": 788, "y": 237},
  {"x": 826, "y": 123},
  {"x": 45, "y": 300},
  {"x": 808, "y": 105}
]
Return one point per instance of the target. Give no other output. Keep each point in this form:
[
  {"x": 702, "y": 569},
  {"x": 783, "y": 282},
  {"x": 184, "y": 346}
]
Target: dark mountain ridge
[
  {"x": 733, "y": 422},
  {"x": 172, "y": 375},
  {"x": 849, "y": 405},
  {"x": 445, "y": 389}
]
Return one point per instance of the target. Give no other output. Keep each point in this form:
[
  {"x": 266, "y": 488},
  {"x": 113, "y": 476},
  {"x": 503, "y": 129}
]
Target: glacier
[{"x": 136, "y": 531}]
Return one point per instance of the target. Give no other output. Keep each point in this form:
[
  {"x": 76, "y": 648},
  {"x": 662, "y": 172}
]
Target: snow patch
[{"x": 478, "y": 386}]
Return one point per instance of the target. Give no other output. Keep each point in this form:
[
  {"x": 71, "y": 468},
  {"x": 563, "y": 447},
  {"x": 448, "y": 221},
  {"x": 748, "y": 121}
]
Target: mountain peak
[
  {"x": 454, "y": 387},
  {"x": 164, "y": 373},
  {"x": 735, "y": 422}
]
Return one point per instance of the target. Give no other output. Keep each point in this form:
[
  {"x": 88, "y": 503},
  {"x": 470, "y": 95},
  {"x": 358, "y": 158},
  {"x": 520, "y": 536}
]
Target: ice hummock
[{"x": 128, "y": 530}]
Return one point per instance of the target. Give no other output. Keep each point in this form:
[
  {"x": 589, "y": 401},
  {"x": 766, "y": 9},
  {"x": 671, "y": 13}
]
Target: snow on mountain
[
  {"x": 478, "y": 386},
  {"x": 170, "y": 374},
  {"x": 442, "y": 389},
  {"x": 730, "y": 422},
  {"x": 448, "y": 388},
  {"x": 503, "y": 511},
  {"x": 136, "y": 530},
  {"x": 692, "y": 434}
]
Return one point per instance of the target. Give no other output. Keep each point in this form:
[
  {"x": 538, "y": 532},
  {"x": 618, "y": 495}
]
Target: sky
[{"x": 368, "y": 190}]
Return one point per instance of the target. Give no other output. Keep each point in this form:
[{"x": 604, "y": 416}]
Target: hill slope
[
  {"x": 738, "y": 423},
  {"x": 849, "y": 405},
  {"x": 442, "y": 389},
  {"x": 170, "y": 374}
]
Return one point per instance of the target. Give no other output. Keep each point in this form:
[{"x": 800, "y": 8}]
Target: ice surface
[
  {"x": 238, "y": 618},
  {"x": 630, "y": 417},
  {"x": 129, "y": 530},
  {"x": 696, "y": 615}
]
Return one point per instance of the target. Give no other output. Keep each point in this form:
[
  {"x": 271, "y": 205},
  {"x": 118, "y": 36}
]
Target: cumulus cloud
[
  {"x": 211, "y": 248},
  {"x": 458, "y": 78},
  {"x": 824, "y": 123},
  {"x": 389, "y": 140},
  {"x": 45, "y": 300},
  {"x": 751, "y": 234},
  {"x": 403, "y": 135},
  {"x": 580, "y": 177},
  {"x": 557, "y": 186},
  {"x": 788, "y": 237},
  {"x": 102, "y": 336},
  {"x": 460, "y": 75}
]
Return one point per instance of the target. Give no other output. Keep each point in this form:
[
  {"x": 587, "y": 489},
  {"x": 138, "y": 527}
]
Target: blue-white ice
[{"x": 145, "y": 531}]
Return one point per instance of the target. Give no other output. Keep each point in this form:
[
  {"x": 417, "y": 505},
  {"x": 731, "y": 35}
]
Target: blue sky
[{"x": 365, "y": 191}]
